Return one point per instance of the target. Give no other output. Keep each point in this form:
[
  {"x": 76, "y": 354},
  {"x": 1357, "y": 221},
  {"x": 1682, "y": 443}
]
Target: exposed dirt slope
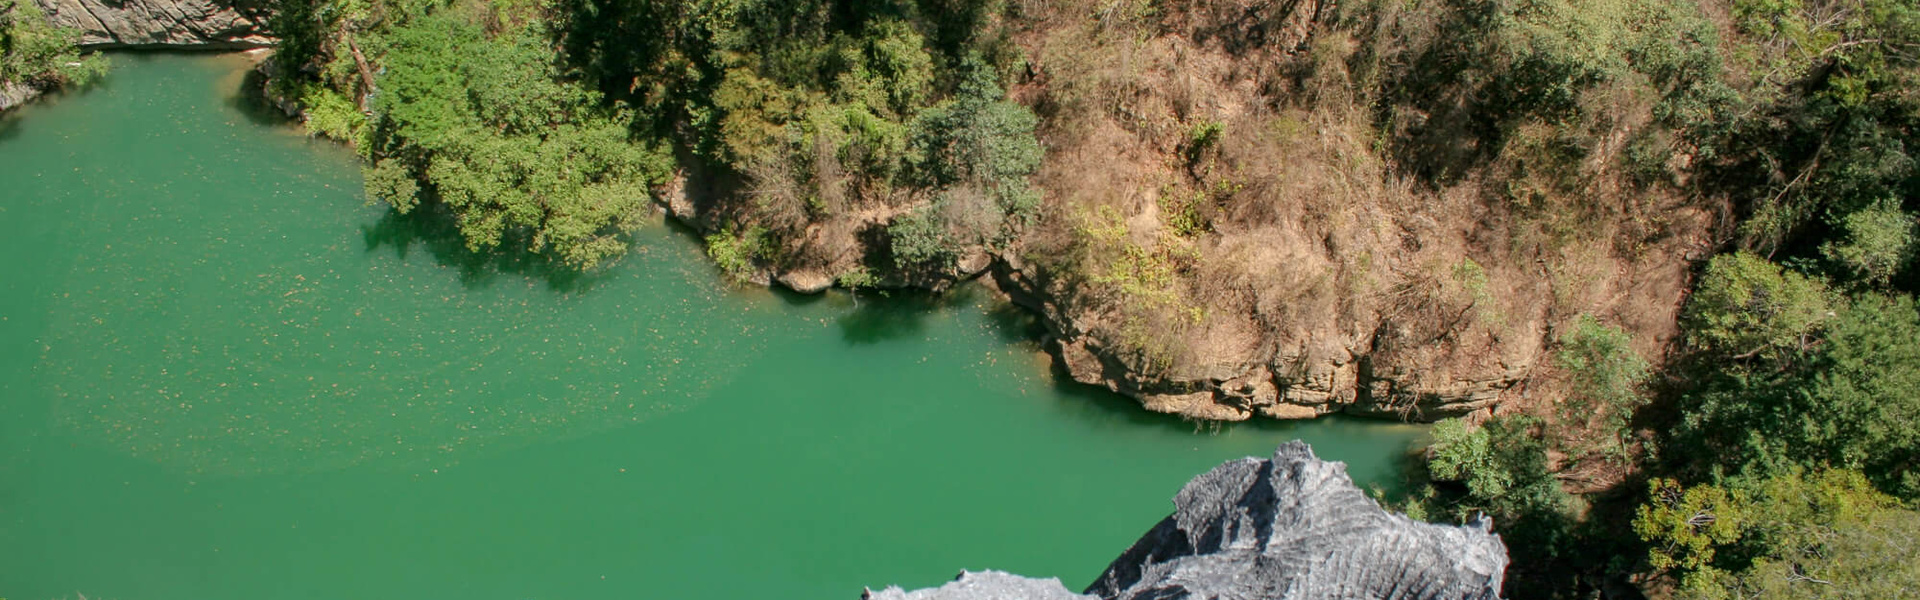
[{"x": 1229, "y": 233}]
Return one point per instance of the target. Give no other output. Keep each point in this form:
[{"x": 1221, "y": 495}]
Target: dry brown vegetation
[{"x": 1253, "y": 208}]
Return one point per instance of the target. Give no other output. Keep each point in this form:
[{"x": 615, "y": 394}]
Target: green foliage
[
  {"x": 860, "y": 277},
  {"x": 1831, "y": 121},
  {"x": 332, "y": 115},
  {"x": 919, "y": 239},
  {"x": 519, "y": 156},
  {"x": 828, "y": 109},
  {"x": 1463, "y": 452},
  {"x": 1606, "y": 376},
  {"x": 1744, "y": 305},
  {"x": 391, "y": 183},
  {"x": 1827, "y": 534},
  {"x": 1863, "y": 394},
  {"x": 33, "y": 52},
  {"x": 976, "y": 137},
  {"x": 1684, "y": 527},
  {"x": 1503, "y": 465},
  {"x": 1204, "y": 137},
  {"x": 1481, "y": 71},
  {"x": 736, "y": 253},
  {"x": 1878, "y": 243},
  {"x": 1849, "y": 401}
]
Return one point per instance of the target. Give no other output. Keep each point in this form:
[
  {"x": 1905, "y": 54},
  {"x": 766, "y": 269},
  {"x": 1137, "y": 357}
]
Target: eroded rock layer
[{"x": 157, "y": 23}]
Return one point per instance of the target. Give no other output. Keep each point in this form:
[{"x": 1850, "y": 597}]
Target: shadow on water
[
  {"x": 433, "y": 231},
  {"x": 252, "y": 103},
  {"x": 898, "y": 314},
  {"x": 882, "y": 315},
  {"x": 9, "y": 125}
]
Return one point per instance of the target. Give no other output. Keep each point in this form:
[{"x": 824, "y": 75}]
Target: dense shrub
[{"x": 34, "y": 52}]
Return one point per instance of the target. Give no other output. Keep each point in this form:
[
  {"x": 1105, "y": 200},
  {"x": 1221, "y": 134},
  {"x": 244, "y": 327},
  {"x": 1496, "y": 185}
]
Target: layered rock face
[
  {"x": 1291, "y": 527},
  {"x": 158, "y": 23}
]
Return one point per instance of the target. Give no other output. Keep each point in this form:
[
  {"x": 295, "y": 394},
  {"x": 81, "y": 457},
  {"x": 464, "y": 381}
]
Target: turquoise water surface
[{"x": 224, "y": 377}]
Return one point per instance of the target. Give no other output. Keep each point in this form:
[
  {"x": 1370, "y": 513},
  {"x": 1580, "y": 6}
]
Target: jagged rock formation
[
  {"x": 159, "y": 23},
  {"x": 1295, "y": 527},
  {"x": 1292, "y": 527},
  {"x": 984, "y": 585}
]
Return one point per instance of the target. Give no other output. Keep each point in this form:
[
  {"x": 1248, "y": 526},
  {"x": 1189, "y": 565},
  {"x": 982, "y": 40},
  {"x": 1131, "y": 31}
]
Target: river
[{"x": 223, "y": 376}]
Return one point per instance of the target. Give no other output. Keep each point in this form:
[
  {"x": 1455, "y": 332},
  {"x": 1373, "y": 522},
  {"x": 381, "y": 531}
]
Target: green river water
[{"x": 224, "y": 377}]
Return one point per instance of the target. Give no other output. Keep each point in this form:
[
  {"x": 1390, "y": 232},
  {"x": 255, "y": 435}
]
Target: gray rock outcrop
[
  {"x": 15, "y": 94},
  {"x": 1295, "y": 527},
  {"x": 984, "y": 585},
  {"x": 158, "y": 23},
  {"x": 1291, "y": 527}
]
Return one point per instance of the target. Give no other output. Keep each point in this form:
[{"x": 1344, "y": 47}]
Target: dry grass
[{"x": 1314, "y": 246}]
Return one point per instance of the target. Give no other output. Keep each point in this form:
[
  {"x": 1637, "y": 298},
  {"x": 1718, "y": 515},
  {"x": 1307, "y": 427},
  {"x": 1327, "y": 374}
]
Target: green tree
[
  {"x": 1796, "y": 534},
  {"x": 1878, "y": 243},
  {"x": 1862, "y": 397},
  {"x": 520, "y": 157},
  {"x": 1745, "y": 306},
  {"x": 1502, "y": 464}
]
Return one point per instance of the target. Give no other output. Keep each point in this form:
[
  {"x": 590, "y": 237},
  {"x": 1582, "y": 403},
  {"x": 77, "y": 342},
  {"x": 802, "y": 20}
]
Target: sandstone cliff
[
  {"x": 1290, "y": 527},
  {"x": 210, "y": 24}
]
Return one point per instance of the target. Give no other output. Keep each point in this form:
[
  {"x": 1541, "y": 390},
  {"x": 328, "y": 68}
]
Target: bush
[
  {"x": 331, "y": 115},
  {"x": 735, "y": 254},
  {"x": 1605, "y": 373},
  {"x": 522, "y": 158},
  {"x": 1879, "y": 242},
  {"x": 920, "y": 239},
  {"x": 34, "y": 52}
]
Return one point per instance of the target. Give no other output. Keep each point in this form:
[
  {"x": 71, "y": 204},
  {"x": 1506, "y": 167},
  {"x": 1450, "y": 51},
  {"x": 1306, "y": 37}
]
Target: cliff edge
[
  {"x": 206, "y": 24},
  {"x": 1290, "y": 527}
]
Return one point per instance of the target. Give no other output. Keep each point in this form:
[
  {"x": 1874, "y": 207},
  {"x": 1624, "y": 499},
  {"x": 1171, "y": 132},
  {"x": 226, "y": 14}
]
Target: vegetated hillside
[
  {"x": 1278, "y": 209},
  {"x": 1659, "y": 253}
]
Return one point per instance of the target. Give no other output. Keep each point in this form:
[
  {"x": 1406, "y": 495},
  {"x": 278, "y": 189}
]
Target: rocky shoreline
[
  {"x": 1282, "y": 386},
  {"x": 146, "y": 25},
  {"x": 1260, "y": 373},
  {"x": 1290, "y": 526}
]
